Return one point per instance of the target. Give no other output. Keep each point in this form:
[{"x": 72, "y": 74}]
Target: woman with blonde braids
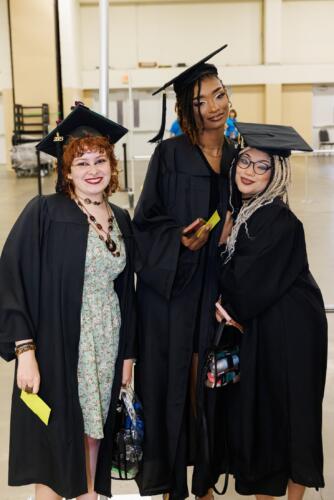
[{"x": 273, "y": 415}]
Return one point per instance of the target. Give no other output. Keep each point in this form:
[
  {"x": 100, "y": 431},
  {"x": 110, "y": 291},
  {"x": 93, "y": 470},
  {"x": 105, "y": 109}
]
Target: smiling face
[
  {"x": 89, "y": 156},
  {"x": 211, "y": 106},
  {"x": 90, "y": 174},
  {"x": 253, "y": 172}
]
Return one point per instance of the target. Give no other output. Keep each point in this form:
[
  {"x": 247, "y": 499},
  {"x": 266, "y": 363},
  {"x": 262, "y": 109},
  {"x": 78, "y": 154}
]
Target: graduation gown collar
[
  {"x": 193, "y": 161},
  {"x": 122, "y": 220},
  {"x": 63, "y": 209}
]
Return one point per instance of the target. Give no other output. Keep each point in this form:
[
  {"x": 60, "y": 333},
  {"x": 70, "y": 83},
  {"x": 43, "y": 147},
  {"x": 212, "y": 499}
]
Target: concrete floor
[{"x": 311, "y": 197}]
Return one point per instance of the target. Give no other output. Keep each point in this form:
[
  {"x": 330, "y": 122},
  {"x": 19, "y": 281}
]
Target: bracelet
[
  {"x": 29, "y": 342},
  {"x": 27, "y": 347}
]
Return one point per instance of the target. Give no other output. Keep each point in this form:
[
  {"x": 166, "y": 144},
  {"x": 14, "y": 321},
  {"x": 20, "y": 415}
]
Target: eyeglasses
[{"x": 259, "y": 167}]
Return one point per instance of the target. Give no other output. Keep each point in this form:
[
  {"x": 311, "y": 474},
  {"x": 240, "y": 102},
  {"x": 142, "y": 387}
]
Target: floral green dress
[{"x": 100, "y": 326}]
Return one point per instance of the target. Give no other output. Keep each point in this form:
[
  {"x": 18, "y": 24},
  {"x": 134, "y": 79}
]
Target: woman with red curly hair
[{"x": 67, "y": 315}]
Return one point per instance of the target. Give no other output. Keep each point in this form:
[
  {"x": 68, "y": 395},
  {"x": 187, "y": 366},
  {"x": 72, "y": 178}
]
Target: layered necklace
[{"x": 102, "y": 234}]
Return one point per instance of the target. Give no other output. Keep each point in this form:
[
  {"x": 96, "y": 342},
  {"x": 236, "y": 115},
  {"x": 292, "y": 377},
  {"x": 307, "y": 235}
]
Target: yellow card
[
  {"x": 213, "y": 221},
  {"x": 37, "y": 405}
]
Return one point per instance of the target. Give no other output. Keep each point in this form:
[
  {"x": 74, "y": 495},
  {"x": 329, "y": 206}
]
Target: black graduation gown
[
  {"x": 274, "y": 414},
  {"x": 41, "y": 282},
  {"x": 175, "y": 293}
]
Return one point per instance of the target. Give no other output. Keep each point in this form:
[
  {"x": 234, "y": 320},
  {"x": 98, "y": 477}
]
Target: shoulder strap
[{"x": 219, "y": 333}]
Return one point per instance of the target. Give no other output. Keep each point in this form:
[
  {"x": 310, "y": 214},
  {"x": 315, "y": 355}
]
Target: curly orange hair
[{"x": 76, "y": 147}]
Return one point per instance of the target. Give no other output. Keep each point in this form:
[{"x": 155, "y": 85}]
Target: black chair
[{"x": 324, "y": 139}]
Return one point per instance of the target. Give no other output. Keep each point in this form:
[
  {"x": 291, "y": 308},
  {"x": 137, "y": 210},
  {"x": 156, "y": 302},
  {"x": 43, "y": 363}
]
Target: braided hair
[{"x": 277, "y": 188}]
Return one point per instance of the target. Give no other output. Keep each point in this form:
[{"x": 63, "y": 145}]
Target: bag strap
[
  {"x": 219, "y": 333},
  {"x": 227, "y": 317},
  {"x": 127, "y": 395}
]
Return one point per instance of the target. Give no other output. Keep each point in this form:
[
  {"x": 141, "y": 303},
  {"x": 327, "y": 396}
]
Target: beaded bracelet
[{"x": 24, "y": 348}]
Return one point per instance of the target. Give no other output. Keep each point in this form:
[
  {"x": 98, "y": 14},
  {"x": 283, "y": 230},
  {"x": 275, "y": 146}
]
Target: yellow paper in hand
[
  {"x": 37, "y": 405},
  {"x": 213, "y": 221}
]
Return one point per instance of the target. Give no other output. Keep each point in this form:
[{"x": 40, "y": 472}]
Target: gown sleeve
[
  {"x": 19, "y": 280},
  {"x": 264, "y": 265},
  {"x": 157, "y": 234},
  {"x": 131, "y": 348}
]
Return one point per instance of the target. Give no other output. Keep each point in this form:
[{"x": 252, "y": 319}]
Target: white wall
[
  {"x": 150, "y": 118},
  {"x": 300, "y": 39},
  {"x": 179, "y": 32},
  {"x": 323, "y": 111},
  {"x": 171, "y": 33},
  {"x": 122, "y": 45},
  {"x": 308, "y": 32},
  {"x": 323, "y": 105},
  {"x": 69, "y": 17}
]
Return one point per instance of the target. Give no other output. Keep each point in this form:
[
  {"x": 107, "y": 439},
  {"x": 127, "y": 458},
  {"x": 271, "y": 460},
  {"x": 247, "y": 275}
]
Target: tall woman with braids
[
  {"x": 273, "y": 415},
  {"x": 177, "y": 277}
]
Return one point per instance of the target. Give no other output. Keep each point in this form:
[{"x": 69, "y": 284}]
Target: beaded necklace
[
  {"x": 102, "y": 234},
  {"x": 88, "y": 201}
]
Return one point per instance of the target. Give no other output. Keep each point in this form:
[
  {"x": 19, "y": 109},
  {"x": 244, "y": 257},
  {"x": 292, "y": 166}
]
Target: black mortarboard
[
  {"x": 181, "y": 81},
  {"x": 80, "y": 122},
  {"x": 274, "y": 139}
]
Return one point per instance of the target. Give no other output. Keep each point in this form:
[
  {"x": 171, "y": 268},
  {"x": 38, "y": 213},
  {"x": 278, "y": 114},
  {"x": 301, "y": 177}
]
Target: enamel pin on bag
[
  {"x": 127, "y": 449},
  {"x": 222, "y": 364}
]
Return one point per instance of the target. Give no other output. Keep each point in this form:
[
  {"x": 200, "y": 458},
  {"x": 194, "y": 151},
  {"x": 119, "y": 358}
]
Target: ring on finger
[{"x": 28, "y": 389}]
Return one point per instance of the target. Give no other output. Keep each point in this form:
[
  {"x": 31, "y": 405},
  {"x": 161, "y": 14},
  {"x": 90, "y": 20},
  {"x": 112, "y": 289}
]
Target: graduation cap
[
  {"x": 273, "y": 139},
  {"x": 81, "y": 122},
  {"x": 183, "y": 80}
]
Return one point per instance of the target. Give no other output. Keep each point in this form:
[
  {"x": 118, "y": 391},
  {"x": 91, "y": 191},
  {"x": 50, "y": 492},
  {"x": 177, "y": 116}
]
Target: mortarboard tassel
[
  {"x": 161, "y": 132},
  {"x": 60, "y": 181}
]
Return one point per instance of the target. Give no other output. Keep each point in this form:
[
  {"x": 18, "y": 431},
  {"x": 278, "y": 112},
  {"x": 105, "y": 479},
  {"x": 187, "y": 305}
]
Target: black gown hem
[
  {"x": 62, "y": 493},
  {"x": 154, "y": 491},
  {"x": 308, "y": 484},
  {"x": 273, "y": 485}
]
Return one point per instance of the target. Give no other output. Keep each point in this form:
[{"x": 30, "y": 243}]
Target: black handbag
[
  {"x": 127, "y": 450},
  {"x": 222, "y": 362}
]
